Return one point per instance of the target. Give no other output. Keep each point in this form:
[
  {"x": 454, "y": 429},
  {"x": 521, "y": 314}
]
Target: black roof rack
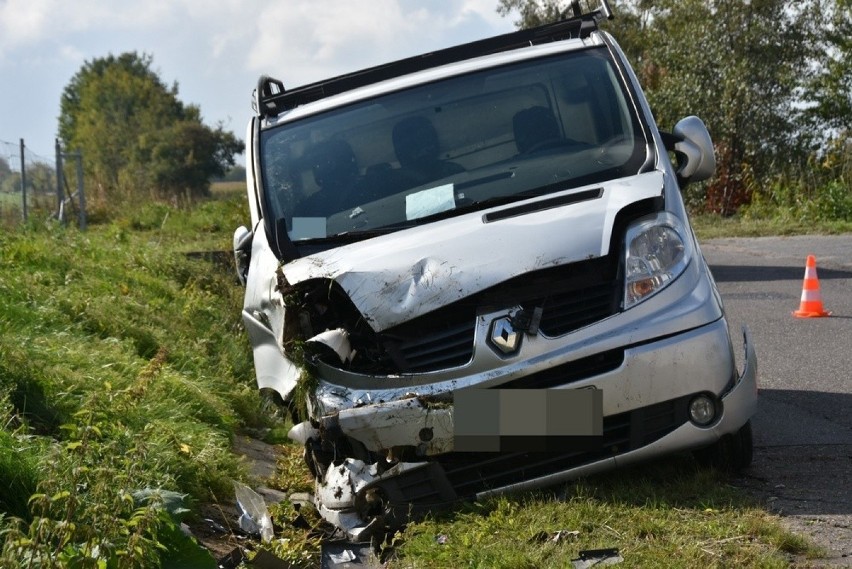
[{"x": 271, "y": 98}]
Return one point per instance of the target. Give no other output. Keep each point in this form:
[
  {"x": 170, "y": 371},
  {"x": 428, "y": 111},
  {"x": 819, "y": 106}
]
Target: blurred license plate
[{"x": 531, "y": 420}]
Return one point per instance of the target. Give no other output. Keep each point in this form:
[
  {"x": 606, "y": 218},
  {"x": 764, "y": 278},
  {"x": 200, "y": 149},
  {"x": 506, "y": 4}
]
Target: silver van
[{"x": 472, "y": 272}]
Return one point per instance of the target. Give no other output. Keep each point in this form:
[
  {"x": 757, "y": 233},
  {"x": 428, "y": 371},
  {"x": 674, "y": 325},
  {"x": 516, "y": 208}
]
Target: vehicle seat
[
  {"x": 535, "y": 128},
  {"x": 417, "y": 148},
  {"x": 335, "y": 171}
]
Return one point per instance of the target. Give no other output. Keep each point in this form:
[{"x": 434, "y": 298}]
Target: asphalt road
[{"x": 803, "y": 427}]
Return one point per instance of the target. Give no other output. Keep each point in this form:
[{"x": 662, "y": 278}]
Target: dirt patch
[
  {"x": 260, "y": 457},
  {"x": 217, "y": 529}
]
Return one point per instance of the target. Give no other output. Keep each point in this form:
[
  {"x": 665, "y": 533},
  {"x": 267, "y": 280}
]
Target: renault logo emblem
[{"x": 504, "y": 337}]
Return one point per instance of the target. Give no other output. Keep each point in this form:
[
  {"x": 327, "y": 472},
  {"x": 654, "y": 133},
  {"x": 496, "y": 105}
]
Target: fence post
[
  {"x": 23, "y": 183},
  {"x": 80, "y": 193},
  {"x": 60, "y": 180}
]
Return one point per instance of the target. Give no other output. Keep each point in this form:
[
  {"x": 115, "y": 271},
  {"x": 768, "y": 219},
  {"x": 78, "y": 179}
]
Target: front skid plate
[{"x": 356, "y": 498}]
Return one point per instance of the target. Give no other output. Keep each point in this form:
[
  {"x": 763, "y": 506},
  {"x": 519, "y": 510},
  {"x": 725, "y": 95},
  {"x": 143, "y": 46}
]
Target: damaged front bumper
[{"x": 648, "y": 419}]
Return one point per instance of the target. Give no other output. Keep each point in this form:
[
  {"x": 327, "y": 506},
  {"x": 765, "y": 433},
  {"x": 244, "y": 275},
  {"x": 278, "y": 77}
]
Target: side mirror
[
  {"x": 242, "y": 252},
  {"x": 694, "y": 151}
]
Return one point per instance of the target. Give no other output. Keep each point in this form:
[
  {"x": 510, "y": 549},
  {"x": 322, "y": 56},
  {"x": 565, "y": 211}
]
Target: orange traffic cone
[{"x": 811, "y": 305}]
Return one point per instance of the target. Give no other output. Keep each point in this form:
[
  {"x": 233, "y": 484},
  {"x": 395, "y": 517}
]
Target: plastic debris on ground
[
  {"x": 254, "y": 516},
  {"x": 343, "y": 557},
  {"x": 215, "y": 526},
  {"x": 231, "y": 560},
  {"x": 597, "y": 558},
  {"x": 555, "y": 537},
  {"x": 266, "y": 560},
  {"x": 348, "y": 555}
]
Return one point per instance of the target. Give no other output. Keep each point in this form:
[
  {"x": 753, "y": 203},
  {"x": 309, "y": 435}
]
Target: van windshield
[{"x": 436, "y": 150}]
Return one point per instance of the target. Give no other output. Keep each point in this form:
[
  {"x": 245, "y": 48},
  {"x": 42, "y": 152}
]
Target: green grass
[
  {"x": 18, "y": 464},
  {"x": 667, "y": 514},
  {"x": 124, "y": 366},
  {"x": 39, "y": 206},
  {"x": 708, "y": 226}
]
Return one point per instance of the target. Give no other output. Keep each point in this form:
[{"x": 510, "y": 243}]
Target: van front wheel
[{"x": 731, "y": 453}]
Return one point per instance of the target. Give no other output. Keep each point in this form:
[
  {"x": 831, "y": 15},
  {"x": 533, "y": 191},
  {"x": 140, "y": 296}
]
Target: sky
[{"x": 214, "y": 50}]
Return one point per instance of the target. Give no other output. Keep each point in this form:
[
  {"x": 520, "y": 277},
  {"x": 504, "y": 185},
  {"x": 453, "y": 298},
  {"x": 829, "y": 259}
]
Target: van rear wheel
[{"x": 731, "y": 453}]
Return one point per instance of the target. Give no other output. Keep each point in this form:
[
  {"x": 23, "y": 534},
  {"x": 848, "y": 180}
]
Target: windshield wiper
[
  {"x": 465, "y": 206},
  {"x": 344, "y": 237}
]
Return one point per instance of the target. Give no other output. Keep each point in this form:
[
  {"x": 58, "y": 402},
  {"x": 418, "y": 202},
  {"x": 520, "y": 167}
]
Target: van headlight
[{"x": 658, "y": 250}]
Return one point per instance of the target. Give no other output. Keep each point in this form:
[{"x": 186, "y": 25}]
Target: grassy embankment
[{"x": 124, "y": 366}]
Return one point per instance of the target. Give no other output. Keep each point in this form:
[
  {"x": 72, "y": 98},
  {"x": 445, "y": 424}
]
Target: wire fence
[{"x": 29, "y": 188}]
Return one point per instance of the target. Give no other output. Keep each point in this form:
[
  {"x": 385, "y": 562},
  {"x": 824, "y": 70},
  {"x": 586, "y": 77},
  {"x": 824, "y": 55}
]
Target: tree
[
  {"x": 235, "y": 174},
  {"x": 41, "y": 178},
  {"x": 738, "y": 64},
  {"x": 629, "y": 26},
  {"x": 830, "y": 89},
  {"x": 118, "y": 112},
  {"x": 186, "y": 155}
]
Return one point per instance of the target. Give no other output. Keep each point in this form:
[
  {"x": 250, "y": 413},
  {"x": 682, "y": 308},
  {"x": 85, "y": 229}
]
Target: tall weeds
[
  {"x": 126, "y": 373},
  {"x": 820, "y": 192}
]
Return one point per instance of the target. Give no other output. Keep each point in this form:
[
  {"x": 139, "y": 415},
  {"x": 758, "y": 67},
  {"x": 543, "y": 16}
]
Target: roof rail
[{"x": 270, "y": 97}]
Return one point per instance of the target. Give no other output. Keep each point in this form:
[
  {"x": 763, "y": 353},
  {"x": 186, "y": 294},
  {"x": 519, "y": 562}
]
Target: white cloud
[
  {"x": 485, "y": 9},
  {"x": 28, "y": 21},
  {"x": 298, "y": 40},
  {"x": 21, "y": 21},
  {"x": 307, "y": 41},
  {"x": 215, "y": 50},
  {"x": 304, "y": 39},
  {"x": 35, "y": 24}
]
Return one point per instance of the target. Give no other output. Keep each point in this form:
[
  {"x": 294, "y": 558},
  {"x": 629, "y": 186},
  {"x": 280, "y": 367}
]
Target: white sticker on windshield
[
  {"x": 308, "y": 228},
  {"x": 428, "y": 202}
]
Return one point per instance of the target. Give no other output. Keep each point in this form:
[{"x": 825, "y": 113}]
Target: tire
[{"x": 731, "y": 453}]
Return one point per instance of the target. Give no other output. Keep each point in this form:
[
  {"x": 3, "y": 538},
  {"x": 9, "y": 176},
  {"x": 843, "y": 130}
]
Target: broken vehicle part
[
  {"x": 254, "y": 516},
  {"x": 500, "y": 218},
  {"x": 597, "y": 558}
]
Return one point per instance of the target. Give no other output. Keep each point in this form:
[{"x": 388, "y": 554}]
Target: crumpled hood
[{"x": 396, "y": 277}]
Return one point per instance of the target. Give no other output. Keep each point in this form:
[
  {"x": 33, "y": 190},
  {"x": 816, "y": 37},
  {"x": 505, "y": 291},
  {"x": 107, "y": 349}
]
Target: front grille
[
  {"x": 449, "y": 347},
  {"x": 574, "y": 296},
  {"x": 569, "y": 372},
  {"x": 571, "y": 310}
]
